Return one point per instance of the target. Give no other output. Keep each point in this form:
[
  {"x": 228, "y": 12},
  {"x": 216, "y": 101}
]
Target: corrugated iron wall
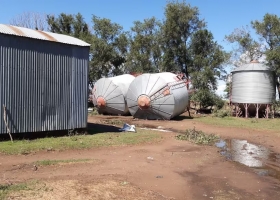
[{"x": 44, "y": 85}]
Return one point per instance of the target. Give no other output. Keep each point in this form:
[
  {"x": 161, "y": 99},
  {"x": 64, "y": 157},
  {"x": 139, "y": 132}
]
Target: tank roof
[{"x": 252, "y": 66}]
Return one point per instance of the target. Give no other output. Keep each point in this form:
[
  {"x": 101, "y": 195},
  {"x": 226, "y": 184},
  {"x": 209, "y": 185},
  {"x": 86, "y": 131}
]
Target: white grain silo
[
  {"x": 253, "y": 89},
  {"x": 157, "y": 96},
  {"x": 109, "y": 94}
]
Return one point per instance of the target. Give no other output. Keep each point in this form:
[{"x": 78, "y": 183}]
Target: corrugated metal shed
[
  {"x": 43, "y": 84},
  {"x": 40, "y": 35}
]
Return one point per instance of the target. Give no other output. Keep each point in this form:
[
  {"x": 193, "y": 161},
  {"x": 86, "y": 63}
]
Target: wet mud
[{"x": 262, "y": 160}]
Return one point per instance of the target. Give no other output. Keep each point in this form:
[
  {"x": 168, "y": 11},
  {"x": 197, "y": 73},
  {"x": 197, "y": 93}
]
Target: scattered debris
[
  {"x": 150, "y": 158},
  {"x": 124, "y": 183},
  {"x": 128, "y": 128},
  {"x": 90, "y": 109},
  {"x": 156, "y": 129},
  {"x": 35, "y": 168}
]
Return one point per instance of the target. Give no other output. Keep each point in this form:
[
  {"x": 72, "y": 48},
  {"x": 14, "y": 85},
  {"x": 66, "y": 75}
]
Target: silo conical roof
[{"x": 252, "y": 66}]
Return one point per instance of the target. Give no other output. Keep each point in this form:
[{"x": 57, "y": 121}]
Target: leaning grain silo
[
  {"x": 44, "y": 81},
  {"x": 253, "y": 89},
  {"x": 157, "y": 96},
  {"x": 109, "y": 94}
]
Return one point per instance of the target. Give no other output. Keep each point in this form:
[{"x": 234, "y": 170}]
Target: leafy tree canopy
[
  {"x": 181, "y": 21},
  {"x": 145, "y": 48}
]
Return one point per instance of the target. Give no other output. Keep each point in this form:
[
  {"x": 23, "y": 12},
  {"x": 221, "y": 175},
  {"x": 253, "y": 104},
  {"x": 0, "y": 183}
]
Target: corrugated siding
[
  {"x": 253, "y": 87},
  {"x": 42, "y": 84}
]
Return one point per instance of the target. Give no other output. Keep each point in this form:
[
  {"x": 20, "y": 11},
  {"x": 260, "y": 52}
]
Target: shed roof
[
  {"x": 252, "y": 66},
  {"x": 41, "y": 35}
]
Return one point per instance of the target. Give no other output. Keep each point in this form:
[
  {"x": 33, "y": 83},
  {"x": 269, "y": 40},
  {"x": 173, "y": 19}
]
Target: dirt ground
[{"x": 171, "y": 169}]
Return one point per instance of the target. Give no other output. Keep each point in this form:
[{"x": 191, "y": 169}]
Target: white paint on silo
[
  {"x": 109, "y": 94},
  {"x": 253, "y": 83},
  {"x": 157, "y": 96}
]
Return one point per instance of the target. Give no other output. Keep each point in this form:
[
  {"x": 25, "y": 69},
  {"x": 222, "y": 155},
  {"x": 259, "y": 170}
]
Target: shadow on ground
[
  {"x": 91, "y": 129},
  {"x": 181, "y": 118},
  {"x": 101, "y": 128}
]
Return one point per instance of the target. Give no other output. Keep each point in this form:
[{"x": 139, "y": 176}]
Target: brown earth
[{"x": 171, "y": 169}]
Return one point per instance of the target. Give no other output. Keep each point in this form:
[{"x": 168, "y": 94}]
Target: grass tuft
[
  {"x": 57, "y": 162},
  {"x": 198, "y": 137}
]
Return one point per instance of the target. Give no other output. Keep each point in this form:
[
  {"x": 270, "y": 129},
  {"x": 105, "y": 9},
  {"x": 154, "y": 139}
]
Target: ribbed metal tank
[
  {"x": 157, "y": 96},
  {"x": 109, "y": 94},
  {"x": 253, "y": 83}
]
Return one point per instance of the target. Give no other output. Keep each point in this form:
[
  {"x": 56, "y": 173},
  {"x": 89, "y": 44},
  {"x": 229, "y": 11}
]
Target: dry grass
[{"x": 74, "y": 189}]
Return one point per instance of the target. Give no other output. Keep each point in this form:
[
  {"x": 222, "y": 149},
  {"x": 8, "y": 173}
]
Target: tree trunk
[{"x": 278, "y": 88}]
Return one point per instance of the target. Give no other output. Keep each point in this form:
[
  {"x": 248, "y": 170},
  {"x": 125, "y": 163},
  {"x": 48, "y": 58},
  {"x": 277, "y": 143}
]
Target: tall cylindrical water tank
[
  {"x": 253, "y": 83},
  {"x": 157, "y": 96},
  {"x": 109, "y": 94}
]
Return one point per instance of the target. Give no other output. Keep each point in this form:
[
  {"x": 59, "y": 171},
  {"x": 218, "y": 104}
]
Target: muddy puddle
[{"x": 263, "y": 161}]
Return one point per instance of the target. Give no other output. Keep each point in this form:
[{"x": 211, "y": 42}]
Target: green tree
[
  {"x": 269, "y": 30},
  {"x": 181, "y": 21},
  {"x": 207, "y": 98},
  {"x": 207, "y": 61},
  {"x": 247, "y": 48},
  {"x": 206, "y": 66},
  {"x": 69, "y": 24},
  {"x": 109, "y": 48},
  {"x": 145, "y": 51}
]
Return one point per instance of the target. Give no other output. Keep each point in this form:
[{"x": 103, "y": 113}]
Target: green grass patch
[
  {"x": 57, "y": 162},
  {"x": 93, "y": 112},
  {"x": 113, "y": 122},
  {"x": 79, "y": 142},
  {"x": 198, "y": 137},
  {"x": 5, "y": 190},
  {"x": 250, "y": 123}
]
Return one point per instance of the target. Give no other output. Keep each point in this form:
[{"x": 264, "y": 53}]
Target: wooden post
[
  {"x": 246, "y": 110},
  {"x": 267, "y": 110},
  {"x": 6, "y": 122},
  {"x": 236, "y": 111},
  {"x": 257, "y": 111}
]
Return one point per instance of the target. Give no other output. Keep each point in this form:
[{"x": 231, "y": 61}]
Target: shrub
[
  {"x": 222, "y": 113},
  {"x": 198, "y": 137}
]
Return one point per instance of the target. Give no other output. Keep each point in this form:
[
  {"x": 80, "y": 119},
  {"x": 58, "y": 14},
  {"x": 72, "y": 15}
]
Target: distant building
[{"x": 43, "y": 80}]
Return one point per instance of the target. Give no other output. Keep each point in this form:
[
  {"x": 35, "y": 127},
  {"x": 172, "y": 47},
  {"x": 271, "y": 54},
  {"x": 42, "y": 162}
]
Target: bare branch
[{"x": 32, "y": 20}]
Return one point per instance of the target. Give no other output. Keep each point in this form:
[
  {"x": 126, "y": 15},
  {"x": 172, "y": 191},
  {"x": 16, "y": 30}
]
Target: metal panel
[
  {"x": 42, "y": 84},
  {"x": 113, "y": 92},
  {"x": 253, "y": 87},
  {"x": 40, "y": 35},
  {"x": 165, "y": 96}
]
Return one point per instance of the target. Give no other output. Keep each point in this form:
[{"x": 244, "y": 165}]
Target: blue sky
[{"x": 222, "y": 16}]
